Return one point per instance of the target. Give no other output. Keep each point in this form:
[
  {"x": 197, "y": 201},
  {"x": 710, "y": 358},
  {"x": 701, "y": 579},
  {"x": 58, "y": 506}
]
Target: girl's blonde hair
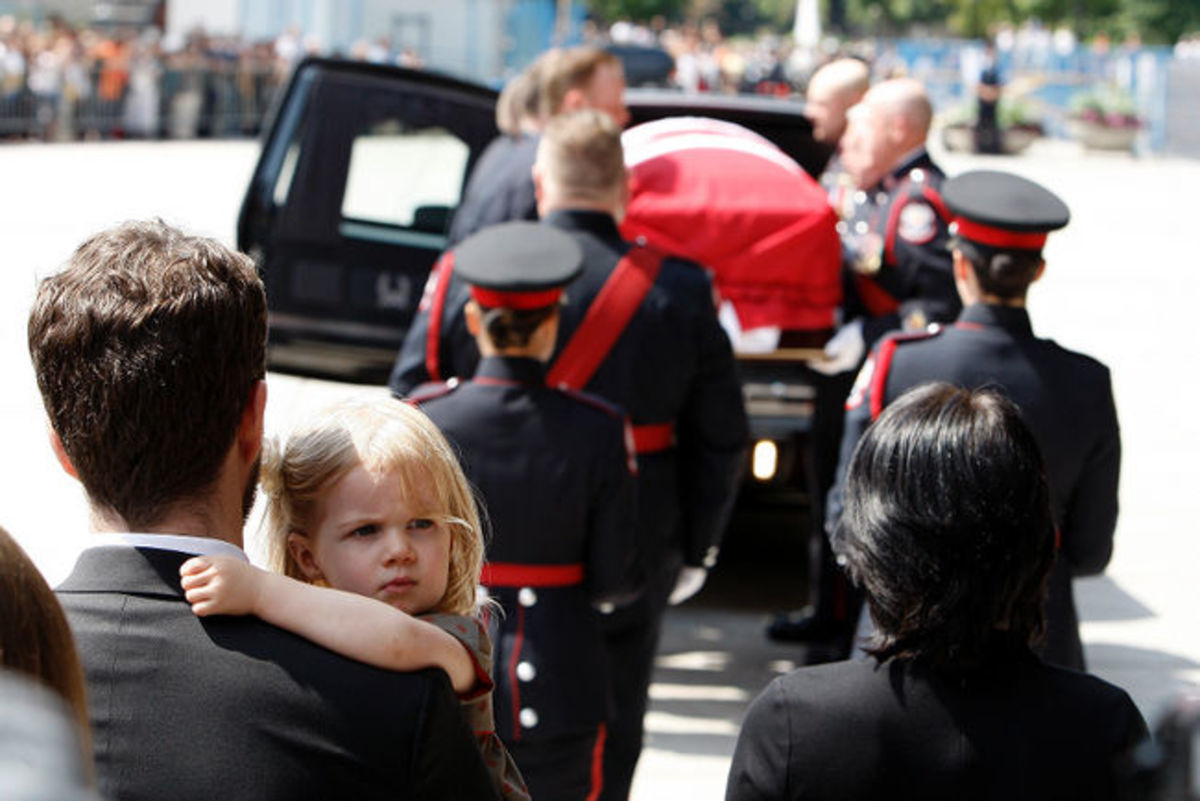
[{"x": 379, "y": 435}]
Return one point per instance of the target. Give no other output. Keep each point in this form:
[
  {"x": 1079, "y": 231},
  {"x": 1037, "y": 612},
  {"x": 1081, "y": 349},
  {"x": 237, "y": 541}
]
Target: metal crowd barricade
[
  {"x": 17, "y": 113},
  {"x": 216, "y": 100}
]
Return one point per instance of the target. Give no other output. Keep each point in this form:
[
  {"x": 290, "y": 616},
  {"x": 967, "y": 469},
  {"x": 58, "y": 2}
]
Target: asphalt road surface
[{"x": 1122, "y": 284}]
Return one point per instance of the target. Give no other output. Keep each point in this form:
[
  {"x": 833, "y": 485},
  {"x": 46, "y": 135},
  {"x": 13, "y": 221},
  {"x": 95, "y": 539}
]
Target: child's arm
[{"x": 352, "y": 625}]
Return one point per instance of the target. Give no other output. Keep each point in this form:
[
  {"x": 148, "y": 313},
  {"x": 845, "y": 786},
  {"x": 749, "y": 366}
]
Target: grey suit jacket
[{"x": 234, "y": 708}]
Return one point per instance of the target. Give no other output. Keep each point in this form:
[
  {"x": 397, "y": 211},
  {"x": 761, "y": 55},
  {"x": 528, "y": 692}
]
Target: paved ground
[{"x": 1122, "y": 285}]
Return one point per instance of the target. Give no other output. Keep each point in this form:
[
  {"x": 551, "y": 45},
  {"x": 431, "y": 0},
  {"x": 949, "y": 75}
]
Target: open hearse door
[{"x": 360, "y": 171}]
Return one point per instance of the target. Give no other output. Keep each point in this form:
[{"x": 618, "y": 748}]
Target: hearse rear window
[{"x": 400, "y": 175}]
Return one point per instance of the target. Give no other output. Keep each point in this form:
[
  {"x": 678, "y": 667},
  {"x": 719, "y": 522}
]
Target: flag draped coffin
[{"x": 721, "y": 195}]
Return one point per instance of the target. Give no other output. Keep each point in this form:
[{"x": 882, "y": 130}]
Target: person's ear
[
  {"x": 964, "y": 278},
  {"x": 60, "y": 453},
  {"x": 539, "y": 190},
  {"x": 961, "y": 265},
  {"x": 471, "y": 313},
  {"x": 897, "y": 129},
  {"x": 300, "y": 547},
  {"x": 623, "y": 194},
  {"x": 250, "y": 428},
  {"x": 1040, "y": 270},
  {"x": 574, "y": 100}
]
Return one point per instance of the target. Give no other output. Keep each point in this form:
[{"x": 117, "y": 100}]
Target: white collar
[{"x": 200, "y": 546}]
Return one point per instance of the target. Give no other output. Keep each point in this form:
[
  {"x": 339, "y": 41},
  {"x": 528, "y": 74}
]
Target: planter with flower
[{"x": 1104, "y": 118}]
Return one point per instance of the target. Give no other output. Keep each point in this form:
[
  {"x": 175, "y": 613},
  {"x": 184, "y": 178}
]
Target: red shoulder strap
[
  {"x": 611, "y": 310},
  {"x": 883, "y": 363},
  {"x": 877, "y": 299},
  {"x": 433, "y": 336}
]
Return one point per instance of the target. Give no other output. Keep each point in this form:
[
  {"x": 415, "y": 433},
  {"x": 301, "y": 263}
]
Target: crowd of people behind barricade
[{"x": 59, "y": 83}]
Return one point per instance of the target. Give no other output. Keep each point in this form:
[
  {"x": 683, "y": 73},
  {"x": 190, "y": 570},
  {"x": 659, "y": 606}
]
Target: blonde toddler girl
[{"x": 366, "y": 502}]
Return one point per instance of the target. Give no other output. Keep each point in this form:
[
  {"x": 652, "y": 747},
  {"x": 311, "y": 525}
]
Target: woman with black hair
[{"x": 948, "y": 529}]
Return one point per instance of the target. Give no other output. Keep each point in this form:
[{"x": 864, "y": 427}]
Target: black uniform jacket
[
  {"x": 1017, "y": 728},
  {"x": 184, "y": 707},
  {"x": 672, "y": 364},
  {"x": 1065, "y": 397},
  {"x": 500, "y": 188},
  {"x": 556, "y": 480},
  {"x": 895, "y": 239}
]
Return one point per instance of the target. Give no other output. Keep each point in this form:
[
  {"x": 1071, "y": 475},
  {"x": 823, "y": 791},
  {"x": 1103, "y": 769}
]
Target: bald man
[
  {"x": 895, "y": 241},
  {"x": 898, "y": 276},
  {"x": 832, "y": 90}
]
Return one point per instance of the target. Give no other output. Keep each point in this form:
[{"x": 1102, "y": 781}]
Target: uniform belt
[
  {"x": 653, "y": 437},
  {"x": 507, "y": 574}
]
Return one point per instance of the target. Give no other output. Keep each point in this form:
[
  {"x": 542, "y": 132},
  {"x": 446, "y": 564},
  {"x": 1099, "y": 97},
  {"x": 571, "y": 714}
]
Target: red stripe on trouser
[
  {"x": 507, "y": 574},
  {"x": 598, "y": 764},
  {"x": 653, "y": 437},
  {"x": 433, "y": 337},
  {"x": 513, "y": 660}
]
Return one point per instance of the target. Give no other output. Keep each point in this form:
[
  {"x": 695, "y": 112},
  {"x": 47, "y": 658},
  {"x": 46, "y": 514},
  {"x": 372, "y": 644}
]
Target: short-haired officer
[
  {"x": 565, "y": 80},
  {"x": 640, "y": 330},
  {"x": 1000, "y": 226},
  {"x": 896, "y": 276},
  {"x": 556, "y": 478}
]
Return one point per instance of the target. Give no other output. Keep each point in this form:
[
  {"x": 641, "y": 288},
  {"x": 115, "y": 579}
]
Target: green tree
[
  {"x": 1163, "y": 20},
  {"x": 636, "y": 10},
  {"x": 1155, "y": 21}
]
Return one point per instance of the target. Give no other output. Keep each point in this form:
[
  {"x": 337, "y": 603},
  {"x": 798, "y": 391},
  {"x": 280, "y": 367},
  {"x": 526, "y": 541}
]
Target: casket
[{"x": 721, "y": 195}]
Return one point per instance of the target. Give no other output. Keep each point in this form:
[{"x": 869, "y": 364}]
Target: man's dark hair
[
  {"x": 1003, "y": 272},
  {"x": 146, "y": 348},
  {"x": 513, "y": 328},
  {"x": 948, "y": 525}
]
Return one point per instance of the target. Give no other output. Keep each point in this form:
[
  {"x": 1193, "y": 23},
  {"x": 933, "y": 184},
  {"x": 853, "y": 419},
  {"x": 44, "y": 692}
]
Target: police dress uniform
[
  {"x": 988, "y": 137},
  {"x": 895, "y": 239},
  {"x": 897, "y": 276},
  {"x": 556, "y": 479},
  {"x": 670, "y": 366},
  {"x": 826, "y": 620},
  {"x": 1064, "y": 396}
]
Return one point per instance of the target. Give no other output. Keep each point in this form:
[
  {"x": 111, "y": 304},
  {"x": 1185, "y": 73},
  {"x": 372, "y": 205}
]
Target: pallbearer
[
  {"x": 1000, "y": 225},
  {"x": 556, "y": 480}
]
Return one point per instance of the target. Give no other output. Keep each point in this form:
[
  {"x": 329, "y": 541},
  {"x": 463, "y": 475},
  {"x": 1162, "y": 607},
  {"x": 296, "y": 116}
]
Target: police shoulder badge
[{"x": 918, "y": 223}]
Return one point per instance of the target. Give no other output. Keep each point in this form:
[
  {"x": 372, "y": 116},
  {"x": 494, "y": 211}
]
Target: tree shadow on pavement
[
  {"x": 1100, "y": 598},
  {"x": 714, "y": 657}
]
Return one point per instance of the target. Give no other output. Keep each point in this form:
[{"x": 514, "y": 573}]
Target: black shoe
[{"x": 802, "y": 626}]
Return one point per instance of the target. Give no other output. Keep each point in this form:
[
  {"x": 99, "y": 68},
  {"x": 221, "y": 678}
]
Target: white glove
[
  {"x": 843, "y": 351},
  {"x": 689, "y": 582}
]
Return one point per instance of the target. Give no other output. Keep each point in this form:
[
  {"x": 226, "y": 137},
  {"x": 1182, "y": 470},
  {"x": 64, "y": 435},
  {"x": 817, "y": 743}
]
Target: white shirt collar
[{"x": 199, "y": 546}]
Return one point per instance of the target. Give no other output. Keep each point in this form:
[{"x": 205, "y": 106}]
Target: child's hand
[{"x": 221, "y": 585}]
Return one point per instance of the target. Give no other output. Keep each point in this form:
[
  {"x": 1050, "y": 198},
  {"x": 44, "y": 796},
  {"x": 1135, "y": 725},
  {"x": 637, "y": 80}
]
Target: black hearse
[{"x": 360, "y": 171}]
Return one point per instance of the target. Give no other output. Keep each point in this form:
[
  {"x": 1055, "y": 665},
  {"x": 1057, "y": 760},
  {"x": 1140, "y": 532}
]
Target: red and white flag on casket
[{"x": 722, "y": 195}]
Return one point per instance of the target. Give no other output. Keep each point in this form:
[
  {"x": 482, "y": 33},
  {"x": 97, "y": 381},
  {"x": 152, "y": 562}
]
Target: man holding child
[{"x": 149, "y": 354}]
